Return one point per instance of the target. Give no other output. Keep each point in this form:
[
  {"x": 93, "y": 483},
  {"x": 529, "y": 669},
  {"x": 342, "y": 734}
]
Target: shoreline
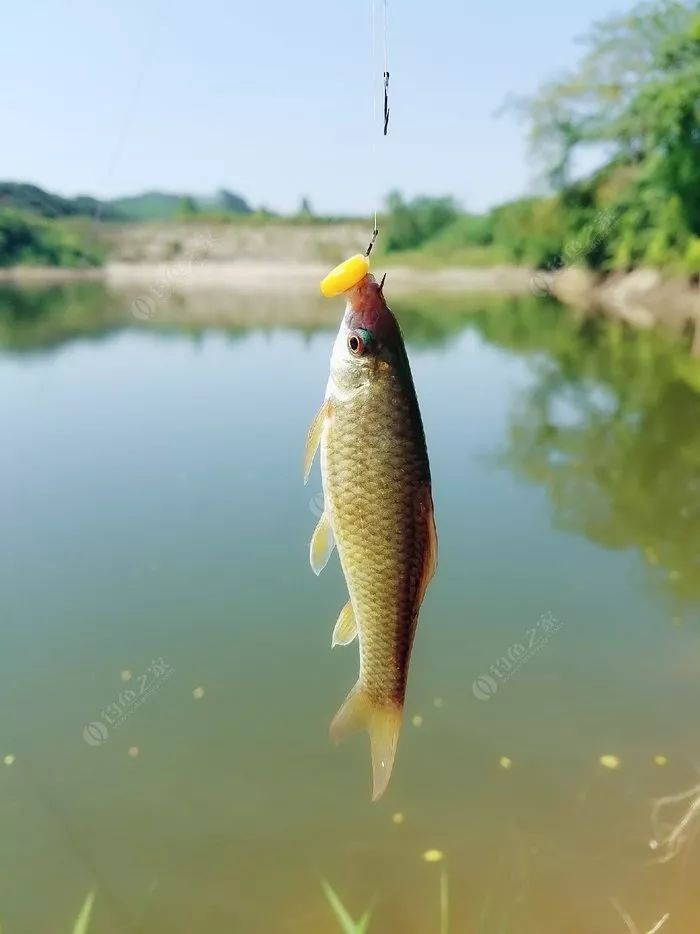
[
  {"x": 267, "y": 276},
  {"x": 643, "y": 298}
]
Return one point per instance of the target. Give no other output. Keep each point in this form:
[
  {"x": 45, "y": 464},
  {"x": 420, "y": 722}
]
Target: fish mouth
[
  {"x": 367, "y": 308},
  {"x": 365, "y": 296}
]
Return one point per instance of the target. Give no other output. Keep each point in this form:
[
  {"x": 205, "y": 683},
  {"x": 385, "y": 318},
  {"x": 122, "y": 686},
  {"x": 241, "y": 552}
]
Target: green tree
[
  {"x": 27, "y": 239},
  {"x": 635, "y": 95},
  {"x": 232, "y": 203},
  {"x": 187, "y": 207},
  {"x": 613, "y": 95},
  {"x": 305, "y": 209},
  {"x": 412, "y": 223}
]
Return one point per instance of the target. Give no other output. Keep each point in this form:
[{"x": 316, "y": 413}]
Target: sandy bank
[
  {"x": 643, "y": 298},
  {"x": 49, "y": 275},
  {"x": 261, "y": 277},
  {"x": 264, "y": 276}
]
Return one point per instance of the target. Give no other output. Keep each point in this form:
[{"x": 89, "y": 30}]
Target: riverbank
[
  {"x": 267, "y": 276},
  {"x": 643, "y": 298}
]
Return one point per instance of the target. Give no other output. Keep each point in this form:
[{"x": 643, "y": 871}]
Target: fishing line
[
  {"x": 385, "y": 81},
  {"x": 128, "y": 114}
]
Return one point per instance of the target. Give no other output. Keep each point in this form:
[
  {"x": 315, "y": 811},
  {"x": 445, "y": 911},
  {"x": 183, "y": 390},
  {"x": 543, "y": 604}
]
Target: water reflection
[
  {"x": 40, "y": 318},
  {"x": 36, "y": 318},
  {"x": 609, "y": 427},
  {"x": 155, "y": 509}
]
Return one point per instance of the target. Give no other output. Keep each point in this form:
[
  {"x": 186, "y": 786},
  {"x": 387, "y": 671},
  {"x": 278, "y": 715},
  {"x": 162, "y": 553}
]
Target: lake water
[{"x": 166, "y": 676}]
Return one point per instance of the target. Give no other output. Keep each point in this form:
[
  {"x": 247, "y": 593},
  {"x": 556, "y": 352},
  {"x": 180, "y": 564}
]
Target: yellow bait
[{"x": 345, "y": 276}]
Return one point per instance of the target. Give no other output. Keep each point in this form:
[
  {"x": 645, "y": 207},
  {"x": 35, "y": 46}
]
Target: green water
[{"x": 154, "y": 523}]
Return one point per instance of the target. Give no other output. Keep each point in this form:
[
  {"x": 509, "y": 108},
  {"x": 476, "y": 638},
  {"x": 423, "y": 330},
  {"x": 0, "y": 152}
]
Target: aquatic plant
[
  {"x": 347, "y": 925},
  {"x": 444, "y": 904},
  {"x": 82, "y": 922}
]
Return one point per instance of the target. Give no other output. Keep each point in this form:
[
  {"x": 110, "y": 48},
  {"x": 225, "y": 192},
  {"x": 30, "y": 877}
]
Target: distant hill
[
  {"x": 165, "y": 206},
  {"x": 25, "y": 197},
  {"x": 151, "y": 205},
  {"x": 229, "y": 201}
]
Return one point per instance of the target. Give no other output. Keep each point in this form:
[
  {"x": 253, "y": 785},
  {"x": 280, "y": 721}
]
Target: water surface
[{"x": 155, "y": 528}]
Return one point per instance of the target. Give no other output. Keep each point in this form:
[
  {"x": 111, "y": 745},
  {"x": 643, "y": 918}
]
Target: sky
[{"x": 274, "y": 99}]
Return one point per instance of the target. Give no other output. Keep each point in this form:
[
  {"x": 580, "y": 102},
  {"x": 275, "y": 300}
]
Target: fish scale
[
  {"x": 377, "y": 511},
  {"x": 372, "y": 491}
]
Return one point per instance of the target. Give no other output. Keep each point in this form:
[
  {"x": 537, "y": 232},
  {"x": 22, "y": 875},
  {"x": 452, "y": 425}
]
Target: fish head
[{"x": 369, "y": 338}]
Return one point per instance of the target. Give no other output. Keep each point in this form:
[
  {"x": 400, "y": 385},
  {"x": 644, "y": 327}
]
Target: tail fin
[{"x": 383, "y": 725}]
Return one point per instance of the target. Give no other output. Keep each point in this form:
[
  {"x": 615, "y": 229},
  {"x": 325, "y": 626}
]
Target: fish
[{"x": 378, "y": 512}]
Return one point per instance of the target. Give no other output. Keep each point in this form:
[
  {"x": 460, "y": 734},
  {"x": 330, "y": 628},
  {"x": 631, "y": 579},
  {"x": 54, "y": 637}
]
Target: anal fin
[
  {"x": 346, "y": 627},
  {"x": 430, "y": 557}
]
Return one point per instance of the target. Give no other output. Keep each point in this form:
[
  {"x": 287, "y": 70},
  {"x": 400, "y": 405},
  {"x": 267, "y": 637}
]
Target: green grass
[
  {"x": 348, "y": 926},
  {"x": 82, "y": 922}
]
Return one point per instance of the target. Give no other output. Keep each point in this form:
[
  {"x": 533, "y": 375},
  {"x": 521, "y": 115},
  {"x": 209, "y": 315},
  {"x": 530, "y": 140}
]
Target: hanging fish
[{"x": 378, "y": 507}]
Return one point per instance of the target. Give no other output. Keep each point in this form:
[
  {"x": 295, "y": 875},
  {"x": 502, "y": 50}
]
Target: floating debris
[
  {"x": 631, "y": 926},
  {"x": 9, "y": 760},
  {"x": 433, "y": 856},
  {"x": 609, "y": 761},
  {"x": 660, "y": 760},
  {"x": 125, "y": 675},
  {"x": 505, "y": 762},
  {"x": 674, "y": 575},
  {"x": 198, "y": 693},
  {"x": 417, "y": 720},
  {"x": 439, "y": 703},
  {"x": 670, "y": 838},
  {"x": 133, "y": 751},
  {"x": 398, "y": 818},
  {"x": 677, "y": 621}
]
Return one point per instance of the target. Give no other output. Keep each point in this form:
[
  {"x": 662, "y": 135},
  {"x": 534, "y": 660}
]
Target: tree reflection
[
  {"x": 45, "y": 317},
  {"x": 611, "y": 427}
]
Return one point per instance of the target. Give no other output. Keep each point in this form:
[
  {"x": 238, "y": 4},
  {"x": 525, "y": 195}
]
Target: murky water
[{"x": 166, "y": 677}]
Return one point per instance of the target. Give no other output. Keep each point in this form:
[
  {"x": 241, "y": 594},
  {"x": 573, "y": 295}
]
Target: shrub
[
  {"x": 691, "y": 260},
  {"x": 27, "y": 240},
  {"x": 412, "y": 223}
]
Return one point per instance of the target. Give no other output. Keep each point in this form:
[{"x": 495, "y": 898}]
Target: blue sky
[{"x": 274, "y": 99}]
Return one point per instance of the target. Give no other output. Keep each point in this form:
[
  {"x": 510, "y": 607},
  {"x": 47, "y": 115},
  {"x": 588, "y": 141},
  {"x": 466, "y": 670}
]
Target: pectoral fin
[
  {"x": 322, "y": 545},
  {"x": 430, "y": 556},
  {"x": 346, "y": 627},
  {"x": 314, "y": 437}
]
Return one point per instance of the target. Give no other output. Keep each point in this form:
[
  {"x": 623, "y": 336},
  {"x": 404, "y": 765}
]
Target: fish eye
[{"x": 356, "y": 344}]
